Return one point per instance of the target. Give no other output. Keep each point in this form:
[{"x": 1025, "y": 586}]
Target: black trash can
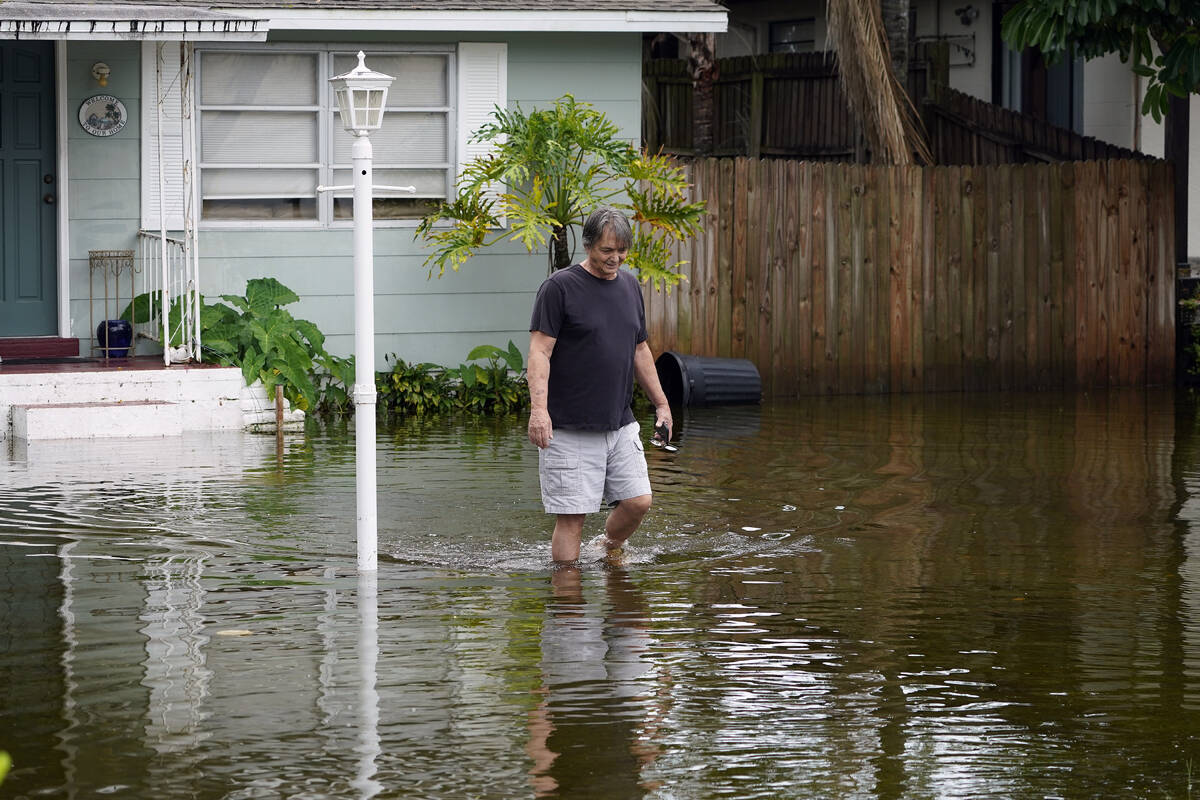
[{"x": 698, "y": 381}]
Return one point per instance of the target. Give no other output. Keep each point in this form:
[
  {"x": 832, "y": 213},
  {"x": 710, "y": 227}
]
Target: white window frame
[{"x": 326, "y": 110}]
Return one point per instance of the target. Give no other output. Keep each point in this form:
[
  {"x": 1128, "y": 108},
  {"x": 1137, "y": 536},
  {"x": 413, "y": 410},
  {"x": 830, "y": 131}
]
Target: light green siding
[
  {"x": 103, "y": 181},
  {"x": 418, "y": 318}
]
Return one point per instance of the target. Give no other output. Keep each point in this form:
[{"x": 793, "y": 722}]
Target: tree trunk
[
  {"x": 702, "y": 64},
  {"x": 560, "y": 250},
  {"x": 895, "y": 25}
]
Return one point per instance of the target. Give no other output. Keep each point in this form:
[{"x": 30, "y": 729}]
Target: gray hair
[{"x": 610, "y": 219}]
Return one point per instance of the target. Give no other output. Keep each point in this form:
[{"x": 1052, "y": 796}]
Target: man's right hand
[{"x": 540, "y": 429}]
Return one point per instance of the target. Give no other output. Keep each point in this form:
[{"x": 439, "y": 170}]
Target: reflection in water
[
  {"x": 941, "y": 596},
  {"x": 368, "y": 658},
  {"x": 591, "y": 732},
  {"x": 176, "y": 673}
]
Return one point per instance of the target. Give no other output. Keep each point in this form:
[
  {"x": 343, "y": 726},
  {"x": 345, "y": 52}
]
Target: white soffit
[
  {"x": 340, "y": 19},
  {"x": 114, "y": 21}
]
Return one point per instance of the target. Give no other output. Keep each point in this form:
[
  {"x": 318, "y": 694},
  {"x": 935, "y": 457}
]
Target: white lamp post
[{"x": 361, "y": 97}]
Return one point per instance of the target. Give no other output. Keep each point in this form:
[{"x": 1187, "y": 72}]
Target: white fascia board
[
  {"x": 497, "y": 21},
  {"x": 240, "y": 30}
]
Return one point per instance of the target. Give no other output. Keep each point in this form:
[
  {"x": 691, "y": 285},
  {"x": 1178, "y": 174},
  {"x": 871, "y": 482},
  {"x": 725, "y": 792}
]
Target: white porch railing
[{"x": 170, "y": 280}]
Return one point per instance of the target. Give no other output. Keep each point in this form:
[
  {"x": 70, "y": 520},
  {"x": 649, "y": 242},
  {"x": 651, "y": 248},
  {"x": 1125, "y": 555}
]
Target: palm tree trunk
[
  {"x": 876, "y": 96},
  {"x": 560, "y": 250},
  {"x": 895, "y": 26},
  {"x": 702, "y": 64}
]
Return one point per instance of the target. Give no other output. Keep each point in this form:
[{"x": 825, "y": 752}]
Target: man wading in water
[{"x": 587, "y": 343}]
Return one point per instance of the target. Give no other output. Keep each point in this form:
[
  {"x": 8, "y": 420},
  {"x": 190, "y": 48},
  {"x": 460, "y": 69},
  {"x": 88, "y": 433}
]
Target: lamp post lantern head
[{"x": 361, "y": 97}]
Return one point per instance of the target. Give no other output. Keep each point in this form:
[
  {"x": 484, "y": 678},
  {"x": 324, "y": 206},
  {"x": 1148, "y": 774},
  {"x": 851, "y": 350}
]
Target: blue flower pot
[{"x": 114, "y": 336}]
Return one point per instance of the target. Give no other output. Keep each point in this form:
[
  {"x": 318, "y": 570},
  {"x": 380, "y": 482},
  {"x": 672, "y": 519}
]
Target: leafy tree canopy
[
  {"x": 554, "y": 166},
  {"x": 1161, "y": 38}
]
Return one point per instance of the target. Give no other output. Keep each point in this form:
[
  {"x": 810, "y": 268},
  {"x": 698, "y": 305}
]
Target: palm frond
[{"x": 872, "y": 88}]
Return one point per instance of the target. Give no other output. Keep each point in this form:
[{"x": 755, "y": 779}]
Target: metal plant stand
[{"x": 116, "y": 268}]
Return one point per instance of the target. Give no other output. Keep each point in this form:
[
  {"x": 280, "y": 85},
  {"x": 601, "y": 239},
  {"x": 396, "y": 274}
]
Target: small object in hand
[{"x": 661, "y": 432}]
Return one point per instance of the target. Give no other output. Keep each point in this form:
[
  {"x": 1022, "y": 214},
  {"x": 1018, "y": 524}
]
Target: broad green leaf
[
  {"x": 264, "y": 294},
  {"x": 513, "y": 357},
  {"x": 484, "y": 351}
]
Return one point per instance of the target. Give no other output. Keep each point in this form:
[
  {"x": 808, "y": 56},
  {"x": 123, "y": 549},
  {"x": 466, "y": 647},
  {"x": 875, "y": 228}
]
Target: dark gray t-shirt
[{"x": 597, "y": 324}]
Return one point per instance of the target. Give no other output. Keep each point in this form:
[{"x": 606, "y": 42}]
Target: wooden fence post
[{"x": 758, "y": 111}]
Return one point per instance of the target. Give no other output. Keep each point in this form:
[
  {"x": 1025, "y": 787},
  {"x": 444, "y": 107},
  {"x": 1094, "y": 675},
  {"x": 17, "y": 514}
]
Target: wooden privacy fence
[
  {"x": 965, "y": 130},
  {"x": 792, "y": 105},
  {"x": 846, "y": 279}
]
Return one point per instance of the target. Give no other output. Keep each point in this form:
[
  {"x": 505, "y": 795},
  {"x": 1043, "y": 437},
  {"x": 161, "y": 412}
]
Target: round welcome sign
[{"x": 102, "y": 115}]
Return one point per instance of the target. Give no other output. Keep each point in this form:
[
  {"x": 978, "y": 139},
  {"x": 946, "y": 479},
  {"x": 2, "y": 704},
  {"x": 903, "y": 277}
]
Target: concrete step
[
  {"x": 96, "y": 420},
  {"x": 208, "y": 399}
]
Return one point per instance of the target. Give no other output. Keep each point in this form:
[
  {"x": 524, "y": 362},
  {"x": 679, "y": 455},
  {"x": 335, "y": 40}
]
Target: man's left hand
[{"x": 662, "y": 416}]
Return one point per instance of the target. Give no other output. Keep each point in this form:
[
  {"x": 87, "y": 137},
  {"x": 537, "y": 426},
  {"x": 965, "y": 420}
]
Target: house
[
  {"x": 1100, "y": 98},
  {"x": 196, "y": 133}
]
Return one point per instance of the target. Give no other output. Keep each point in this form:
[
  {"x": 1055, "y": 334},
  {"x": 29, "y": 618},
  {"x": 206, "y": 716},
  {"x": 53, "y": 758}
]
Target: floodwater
[{"x": 912, "y": 597}]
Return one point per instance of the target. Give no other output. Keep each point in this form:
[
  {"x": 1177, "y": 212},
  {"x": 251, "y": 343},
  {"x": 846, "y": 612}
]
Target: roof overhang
[
  {"x": 113, "y": 21},
  {"x": 293, "y": 19}
]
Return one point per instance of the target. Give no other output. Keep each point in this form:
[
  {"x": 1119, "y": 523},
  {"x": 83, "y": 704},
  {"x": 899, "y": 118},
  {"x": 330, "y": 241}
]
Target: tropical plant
[
  {"x": 414, "y": 388},
  {"x": 1161, "y": 38},
  {"x": 334, "y": 380},
  {"x": 497, "y": 387},
  {"x": 257, "y": 334},
  {"x": 147, "y": 306},
  {"x": 556, "y": 165}
]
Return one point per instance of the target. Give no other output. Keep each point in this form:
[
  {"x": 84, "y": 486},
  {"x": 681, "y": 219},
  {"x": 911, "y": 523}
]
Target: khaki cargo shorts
[{"x": 580, "y": 470}]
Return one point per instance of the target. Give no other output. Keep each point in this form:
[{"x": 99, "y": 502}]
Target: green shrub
[
  {"x": 495, "y": 387},
  {"x": 257, "y": 334},
  {"x": 414, "y": 388},
  {"x": 498, "y": 387}
]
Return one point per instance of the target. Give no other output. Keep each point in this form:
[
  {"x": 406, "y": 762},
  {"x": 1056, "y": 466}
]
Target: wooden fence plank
[
  {"x": 899, "y": 351},
  {"x": 998, "y": 296},
  {"x": 771, "y": 261},
  {"x": 856, "y": 310},
  {"x": 964, "y": 310},
  {"x": 882, "y": 260},
  {"x": 772, "y": 272},
  {"x": 725, "y": 261},
  {"x": 1042, "y": 293},
  {"x": 1105, "y": 354},
  {"x": 1133, "y": 248},
  {"x": 756, "y": 216},
  {"x": 1051, "y": 228},
  {"x": 1089, "y": 194},
  {"x": 1026, "y": 274},
  {"x": 915, "y": 211},
  {"x": 874, "y": 212},
  {"x": 680, "y": 299},
  {"x": 1117, "y": 279},
  {"x": 1071, "y": 222},
  {"x": 982, "y": 376},
  {"x": 698, "y": 175},
  {"x": 932, "y": 276},
  {"x": 848, "y": 203},
  {"x": 947, "y": 265},
  {"x": 710, "y": 296},
  {"x": 822, "y": 261},
  {"x": 741, "y": 223},
  {"x": 800, "y": 328}
]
